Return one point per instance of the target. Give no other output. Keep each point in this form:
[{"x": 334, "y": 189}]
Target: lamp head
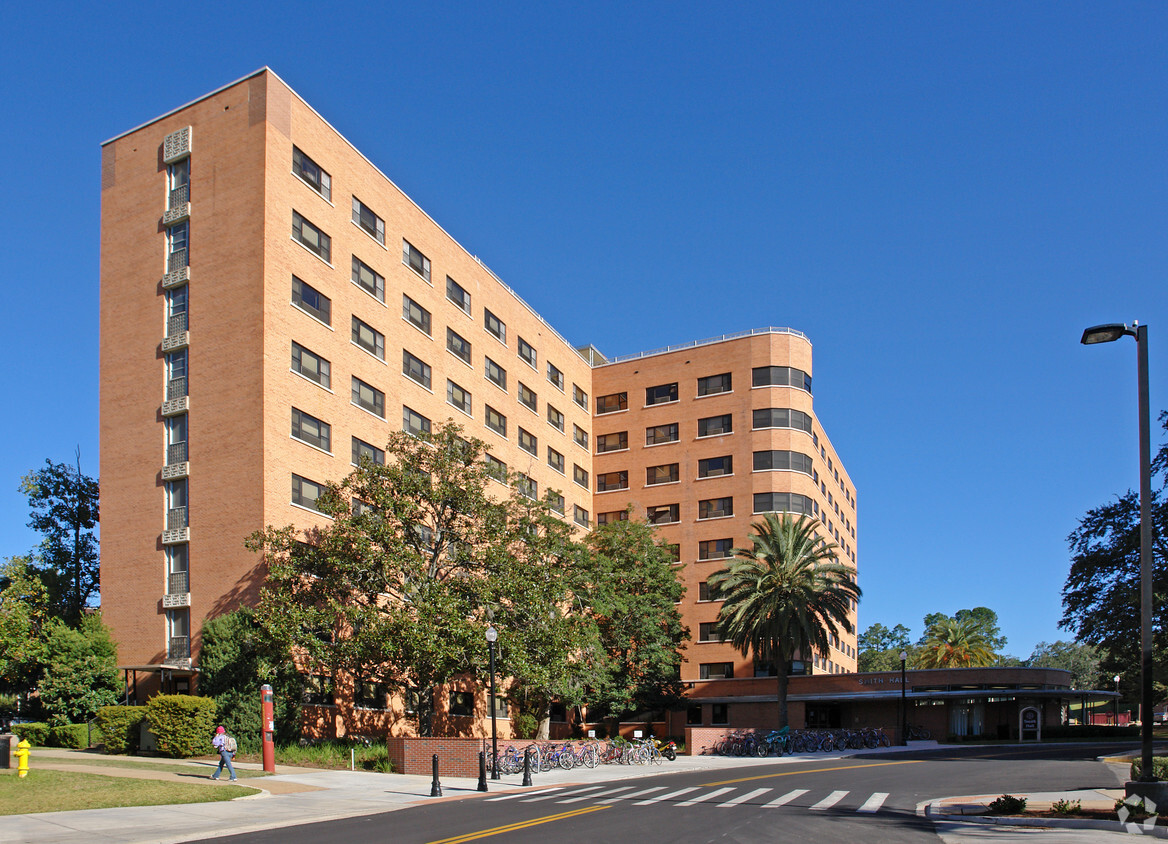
[
  {"x": 903, "y": 656},
  {"x": 492, "y": 634},
  {"x": 1104, "y": 333}
]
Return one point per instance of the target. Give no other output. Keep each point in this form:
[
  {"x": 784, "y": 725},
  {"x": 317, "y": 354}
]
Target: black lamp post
[
  {"x": 492, "y": 637},
  {"x": 1107, "y": 334},
  {"x": 1115, "y": 703},
  {"x": 903, "y": 701}
]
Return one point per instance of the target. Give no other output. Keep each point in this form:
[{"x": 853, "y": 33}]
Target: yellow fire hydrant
[{"x": 21, "y": 755}]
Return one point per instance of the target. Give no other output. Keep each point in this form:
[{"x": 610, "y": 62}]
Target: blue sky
[{"x": 942, "y": 196}]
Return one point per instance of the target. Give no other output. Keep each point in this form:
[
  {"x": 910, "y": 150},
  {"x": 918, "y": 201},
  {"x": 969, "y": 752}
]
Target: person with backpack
[{"x": 225, "y": 745}]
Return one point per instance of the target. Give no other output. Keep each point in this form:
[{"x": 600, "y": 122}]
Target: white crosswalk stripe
[
  {"x": 830, "y": 800},
  {"x": 742, "y": 798},
  {"x": 561, "y": 793},
  {"x": 639, "y": 793},
  {"x": 786, "y": 798},
  {"x": 596, "y": 795},
  {"x": 873, "y": 803},
  {"x": 668, "y": 796},
  {"x": 517, "y": 794},
  {"x": 709, "y": 795}
]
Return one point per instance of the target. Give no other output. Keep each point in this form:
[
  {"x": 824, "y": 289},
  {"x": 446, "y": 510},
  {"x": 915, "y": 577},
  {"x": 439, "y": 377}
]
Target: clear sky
[{"x": 941, "y": 195}]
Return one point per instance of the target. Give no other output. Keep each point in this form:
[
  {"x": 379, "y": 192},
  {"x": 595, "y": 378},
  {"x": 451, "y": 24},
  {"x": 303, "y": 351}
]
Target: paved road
[{"x": 869, "y": 798}]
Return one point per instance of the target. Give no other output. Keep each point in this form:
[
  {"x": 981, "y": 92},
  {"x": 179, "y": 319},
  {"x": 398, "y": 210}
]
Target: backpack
[{"x": 229, "y": 744}]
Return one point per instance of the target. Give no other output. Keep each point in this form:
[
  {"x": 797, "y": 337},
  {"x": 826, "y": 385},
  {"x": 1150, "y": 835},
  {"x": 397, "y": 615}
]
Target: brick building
[{"x": 272, "y": 306}]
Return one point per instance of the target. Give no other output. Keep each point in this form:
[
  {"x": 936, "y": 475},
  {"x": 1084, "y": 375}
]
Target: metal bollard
[
  {"x": 482, "y": 771},
  {"x": 527, "y": 766},
  {"x": 435, "y": 786}
]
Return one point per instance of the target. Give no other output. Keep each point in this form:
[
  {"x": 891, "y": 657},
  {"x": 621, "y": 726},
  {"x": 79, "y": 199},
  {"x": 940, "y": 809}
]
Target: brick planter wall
[{"x": 457, "y": 757}]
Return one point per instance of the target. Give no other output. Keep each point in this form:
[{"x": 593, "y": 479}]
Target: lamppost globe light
[
  {"x": 492, "y": 634},
  {"x": 903, "y": 656}
]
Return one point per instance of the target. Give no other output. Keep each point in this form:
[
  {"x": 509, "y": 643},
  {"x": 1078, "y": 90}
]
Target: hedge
[
  {"x": 120, "y": 727},
  {"x": 183, "y": 725},
  {"x": 35, "y": 733},
  {"x": 1159, "y": 768},
  {"x": 75, "y": 736}
]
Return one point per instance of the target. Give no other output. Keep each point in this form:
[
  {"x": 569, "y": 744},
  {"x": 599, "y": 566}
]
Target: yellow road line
[
  {"x": 816, "y": 771},
  {"x": 499, "y": 830}
]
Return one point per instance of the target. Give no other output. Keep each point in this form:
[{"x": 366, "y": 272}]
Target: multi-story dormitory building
[{"x": 272, "y": 306}]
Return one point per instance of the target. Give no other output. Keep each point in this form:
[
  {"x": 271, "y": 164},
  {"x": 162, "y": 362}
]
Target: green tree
[
  {"x": 81, "y": 674},
  {"x": 237, "y": 658},
  {"x": 879, "y": 649},
  {"x": 784, "y": 596},
  {"x": 1101, "y": 596},
  {"x": 956, "y": 643},
  {"x": 632, "y": 591},
  {"x": 985, "y": 619},
  {"x": 1079, "y": 658},
  {"x": 64, "y": 510},
  {"x": 23, "y": 614}
]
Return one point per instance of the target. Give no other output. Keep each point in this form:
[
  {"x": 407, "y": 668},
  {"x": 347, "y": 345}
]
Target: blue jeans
[{"x": 224, "y": 759}]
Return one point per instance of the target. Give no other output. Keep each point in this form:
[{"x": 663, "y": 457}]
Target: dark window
[
  {"x": 792, "y": 460},
  {"x": 528, "y": 442},
  {"x": 311, "y": 430},
  {"x": 579, "y": 396},
  {"x": 458, "y": 345},
  {"x": 555, "y": 460},
  {"x": 364, "y": 217},
  {"x": 306, "y": 492},
  {"x": 496, "y": 421},
  {"x": 415, "y": 260},
  {"x": 311, "y": 237},
  {"x": 781, "y": 417},
  {"x": 309, "y": 299},
  {"x": 555, "y": 418},
  {"x": 364, "y": 449},
  {"x": 780, "y": 376},
  {"x": 456, "y": 294},
  {"x": 666, "y": 474},
  {"x": 458, "y": 397},
  {"x": 462, "y": 703},
  {"x": 414, "y": 422},
  {"x": 555, "y": 376},
  {"x": 716, "y": 671},
  {"x": 708, "y": 632},
  {"x": 368, "y": 279},
  {"x": 318, "y": 691},
  {"x": 310, "y": 171},
  {"x": 712, "y": 384},
  {"x": 415, "y": 369},
  {"x": 706, "y": 592},
  {"x": 673, "y": 550},
  {"x": 663, "y": 514},
  {"x": 368, "y": 695},
  {"x": 368, "y": 397},
  {"x": 661, "y": 394},
  {"x": 715, "y": 549},
  {"x": 311, "y": 365},
  {"x": 612, "y": 403},
  {"x": 715, "y": 508},
  {"x": 527, "y": 352},
  {"x": 612, "y": 442},
  {"x": 495, "y": 374},
  {"x": 580, "y": 515},
  {"x": 712, "y": 467},
  {"x": 693, "y": 716},
  {"x": 782, "y": 502},
  {"x": 713, "y": 426},
  {"x": 661, "y": 434},
  {"x": 613, "y": 516},
  {"x": 415, "y": 314},
  {"x": 610, "y": 481},
  {"x": 495, "y": 326},
  {"x": 368, "y": 338}
]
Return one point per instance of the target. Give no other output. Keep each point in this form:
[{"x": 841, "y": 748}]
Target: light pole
[
  {"x": 903, "y": 701},
  {"x": 1107, "y": 334},
  {"x": 1115, "y": 706},
  {"x": 492, "y": 637}
]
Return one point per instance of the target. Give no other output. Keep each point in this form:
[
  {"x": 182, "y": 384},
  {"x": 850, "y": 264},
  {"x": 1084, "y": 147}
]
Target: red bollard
[{"x": 269, "y": 728}]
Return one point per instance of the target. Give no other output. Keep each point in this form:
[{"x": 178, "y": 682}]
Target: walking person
[{"x": 226, "y": 747}]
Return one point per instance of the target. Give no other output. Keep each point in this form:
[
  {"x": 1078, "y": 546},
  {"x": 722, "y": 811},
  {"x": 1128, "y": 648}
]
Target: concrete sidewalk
[{"x": 295, "y": 796}]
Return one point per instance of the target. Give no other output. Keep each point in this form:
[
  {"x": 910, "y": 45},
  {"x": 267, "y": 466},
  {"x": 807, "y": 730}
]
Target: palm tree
[
  {"x": 956, "y": 643},
  {"x": 784, "y": 596}
]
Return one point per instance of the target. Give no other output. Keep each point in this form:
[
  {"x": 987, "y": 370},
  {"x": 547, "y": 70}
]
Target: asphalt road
[{"x": 871, "y": 799}]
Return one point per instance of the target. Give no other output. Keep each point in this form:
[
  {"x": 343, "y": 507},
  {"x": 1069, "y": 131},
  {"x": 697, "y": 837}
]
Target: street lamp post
[
  {"x": 1115, "y": 703},
  {"x": 1107, "y": 334},
  {"x": 903, "y": 701},
  {"x": 492, "y": 637}
]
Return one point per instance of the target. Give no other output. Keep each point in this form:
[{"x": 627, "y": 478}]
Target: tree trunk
[{"x": 782, "y": 669}]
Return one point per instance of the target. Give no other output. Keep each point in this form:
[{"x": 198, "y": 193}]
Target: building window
[
  {"x": 713, "y": 384},
  {"x": 369, "y": 695},
  {"x": 612, "y": 442},
  {"x": 715, "y": 508},
  {"x": 527, "y": 353},
  {"x": 794, "y": 461},
  {"x": 458, "y": 345},
  {"x": 305, "y": 492},
  {"x": 528, "y": 442},
  {"x": 715, "y": 549},
  {"x": 708, "y": 632},
  {"x": 610, "y": 481},
  {"x": 368, "y": 397},
  {"x": 580, "y": 475},
  {"x": 501, "y": 710},
  {"x": 312, "y": 238},
  {"x": 527, "y": 486},
  {"x": 369, "y": 338},
  {"x": 415, "y": 369},
  {"x": 781, "y": 417},
  {"x": 496, "y": 374},
  {"x": 555, "y": 418},
  {"x": 527, "y": 398},
  {"x": 318, "y": 691},
  {"x": 415, "y": 260},
  {"x": 716, "y": 671},
  {"x": 580, "y": 436},
  {"x": 720, "y": 713},
  {"x": 458, "y": 397},
  {"x": 179, "y": 178},
  {"x": 415, "y": 314},
  {"x": 311, "y": 430},
  {"x": 176, "y": 375},
  {"x": 612, "y": 403},
  {"x": 707, "y": 593},
  {"x": 414, "y": 423},
  {"x": 610, "y": 517},
  {"x": 555, "y": 460},
  {"x": 780, "y": 376},
  {"x": 555, "y": 501},
  {"x": 312, "y": 301},
  {"x": 177, "y": 513},
  {"x": 580, "y": 515},
  {"x": 579, "y": 396},
  {"x": 496, "y": 421},
  {"x": 462, "y": 704},
  {"x": 178, "y": 242},
  {"x": 368, "y": 279},
  {"x": 661, "y": 394},
  {"x": 178, "y": 623},
  {"x": 496, "y": 468},
  {"x": 663, "y": 514},
  {"x": 665, "y": 474},
  {"x": 372, "y": 453},
  {"x": 693, "y": 716},
  {"x": 712, "y": 467},
  {"x": 495, "y": 326},
  {"x": 456, "y": 294},
  {"x": 310, "y": 172},
  {"x": 782, "y": 502},
  {"x": 659, "y": 434},
  {"x": 311, "y": 365},
  {"x": 365, "y": 219},
  {"x": 673, "y": 550},
  {"x": 555, "y": 376},
  {"x": 713, "y": 426},
  {"x": 177, "y": 318},
  {"x": 176, "y": 440}
]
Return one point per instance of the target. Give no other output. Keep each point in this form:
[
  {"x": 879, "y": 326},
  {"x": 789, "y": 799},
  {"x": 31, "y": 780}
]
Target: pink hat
[{"x": 220, "y": 729}]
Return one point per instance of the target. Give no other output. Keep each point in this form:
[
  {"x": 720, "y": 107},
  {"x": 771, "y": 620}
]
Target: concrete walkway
[{"x": 296, "y": 796}]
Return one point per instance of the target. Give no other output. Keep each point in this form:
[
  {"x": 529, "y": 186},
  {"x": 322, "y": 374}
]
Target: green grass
[
  {"x": 62, "y": 791},
  {"x": 331, "y": 755},
  {"x": 93, "y": 761}
]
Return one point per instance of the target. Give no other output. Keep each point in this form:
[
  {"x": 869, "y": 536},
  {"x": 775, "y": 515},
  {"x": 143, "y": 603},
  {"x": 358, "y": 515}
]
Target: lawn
[
  {"x": 90, "y": 760},
  {"x": 62, "y": 791}
]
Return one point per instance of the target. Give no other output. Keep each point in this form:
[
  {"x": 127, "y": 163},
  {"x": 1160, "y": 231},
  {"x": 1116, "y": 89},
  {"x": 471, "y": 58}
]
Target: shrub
[
  {"x": 1008, "y": 804},
  {"x": 524, "y": 725},
  {"x": 1159, "y": 768},
  {"x": 119, "y": 727},
  {"x": 183, "y": 724},
  {"x": 1067, "y": 807},
  {"x": 75, "y": 736},
  {"x": 34, "y": 732}
]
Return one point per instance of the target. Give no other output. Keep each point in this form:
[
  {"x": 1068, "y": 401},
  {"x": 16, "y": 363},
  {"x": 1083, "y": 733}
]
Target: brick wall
[{"x": 457, "y": 757}]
